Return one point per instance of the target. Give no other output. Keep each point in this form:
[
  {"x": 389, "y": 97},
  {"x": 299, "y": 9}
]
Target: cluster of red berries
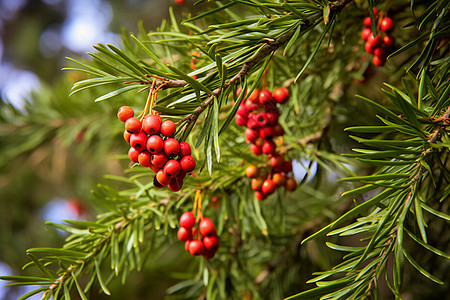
[
  {"x": 198, "y": 241},
  {"x": 379, "y": 46},
  {"x": 259, "y": 114},
  {"x": 152, "y": 145}
]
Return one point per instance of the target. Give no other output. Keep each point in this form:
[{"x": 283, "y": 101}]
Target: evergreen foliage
[{"x": 398, "y": 218}]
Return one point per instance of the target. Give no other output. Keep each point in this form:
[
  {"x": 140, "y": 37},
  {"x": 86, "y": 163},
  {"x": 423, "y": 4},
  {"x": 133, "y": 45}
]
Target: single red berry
[
  {"x": 375, "y": 11},
  {"x": 185, "y": 149},
  {"x": 179, "y": 2},
  {"x": 291, "y": 184},
  {"x": 181, "y": 175},
  {"x": 277, "y": 161},
  {"x": 168, "y": 128},
  {"x": 252, "y": 171},
  {"x": 387, "y": 25},
  {"x": 206, "y": 227},
  {"x": 378, "y": 61},
  {"x": 159, "y": 159},
  {"x": 380, "y": 52},
  {"x": 208, "y": 254},
  {"x": 162, "y": 178},
  {"x": 154, "y": 144},
  {"x": 256, "y": 184},
  {"x": 269, "y": 148},
  {"x": 126, "y": 136},
  {"x": 365, "y": 33},
  {"x": 261, "y": 119},
  {"x": 240, "y": 120},
  {"x": 368, "y": 47},
  {"x": 279, "y": 130},
  {"x": 281, "y": 95},
  {"x": 252, "y": 123},
  {"x": 268, "y": 186},
  {"x": 133, "y": 154},
  {"x": 243, "y": 111},
  {"x": 187, "y": 163},
  {"x": 287, "y": 167},
  {"x": 251, "y": 135},
  {"x": 172, "y": 168},
  {"x": 374, "y": 41},
  {"x": 254, "y": 96},
  {"x": 279, "y": 179},
  {"x": 155, "y": 168},
  {"x": 187, "y": 220},
  {"x": 156, "y": 183},
  {"x": 133, "y": 125},
  {"x": 186, "y": 245},
  {"x": 260, "y": 195},
  {"x": 265, "y": 97},
  {"x": 389, "y": 41},
  {"x": 267, "y": 132},
  {"x": 145, "y": 159},
  {"x": 211, "y": 243},
  {"x": 255, "y": 149},
  {"x": 124, "y": 113},
  {"x": 151, "y": 124},
  {"x": 171, "y": 147},
  {"x": 196, "y": 247},
  {"x": 184, "y": 234},
  {"x": 175, "y": 185},
  {"x": 367, "y": 22},
  {"x": 272, "y": 118},
  {"x": 138, "y": 141}
]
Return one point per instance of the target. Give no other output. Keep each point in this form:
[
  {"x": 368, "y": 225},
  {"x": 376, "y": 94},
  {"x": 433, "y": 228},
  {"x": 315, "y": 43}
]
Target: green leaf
[
  {"x": 100, "y": 280},
  {"x": 41, "y": 267},
  {"x": 58, "y": 251},
  {"x": 435, "y": 212},
  {"x": 420, "y": 269},
  {"x": 33, "y": 292},
  {"x": 118, "y": 92},
  {"x": 215, "y": 128},
  {"x": 79, "y": 289},
  {"x": 151, "y": 54}
]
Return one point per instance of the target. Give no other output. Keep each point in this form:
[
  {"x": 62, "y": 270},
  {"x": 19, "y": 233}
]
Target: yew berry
[
  {"x": 277, "y": 161},
  {"x": 196, "y": 247},
  {"x": 268, "y": 186},
  {"x": 151, "y": 124},
  {"x": 171, "y": 147},
  {"x": 265, "y": 97},
  {"x": 145, "y": 159},
  {"x": 181, "y": 175},
  {"x": 185, "y": 149},
  {"x": 159, "y": 159},
  {"x": 380, "y": 52},
  {"x": 124, "y": 113},
  {"x": 186, "y": 245},
  {"x": 187, "y": 163},
  {"x": 252, "y": 123},
  {"x": 157, "y": 184},
  {"x": 287, "y": 166},
  {"x": 208, "y": 254},
  {"x": 368, "y": 47},
  {"x": 260, "y": 195},
  {"x": 389, "y": 41},
  {"x": 367, "y": 22},
  {"x": 261, "y": 119},
  {"x": 256, "y": 184},
  {"x": 267, "y": 132},
  {"x": 251, "y": 135},
  {"x": 206, "y": 227},
  {"x": 184, "y": 234},
  {"x": 133, "y": 125},
  {"x": 155, "y": 168},
  {"x": 254, "y": 96},
  {"x": 243, "y": 111},
  {"x": 172, "y": 168},
  {"x": 365, "y": 33},
  {"x": 138, "y": 140},
  {"x": 240, "y": 120},
  {"x": 211, "y": 243},
  {"x": 291, "y": 184},
  {"x": 387, "y": 25},
  {"x": 269, "y": 147},
  {"x": 154, "y": 144},
  {"x": 162, "y": 178},
  {"x": 279, "y": 179},
  {"x": 175, "y": 185},
  {"x": 133, "y": 154},
  {"x": 168, "y": 128},
  {"x": 378, "y": 61},
  {"x": 179, "y": 2},
  {"x": 279, "y": 130},
  {"x": 252, "y": 171},
  {"x": 187, "y": 220},
  {"x": 374, "y": 41},
  {"x": 272, "y": 118},
  {"x": 255, "y": 149},
  {"x": 281, "y": 95},
  {"x": 126, "y": 136}
]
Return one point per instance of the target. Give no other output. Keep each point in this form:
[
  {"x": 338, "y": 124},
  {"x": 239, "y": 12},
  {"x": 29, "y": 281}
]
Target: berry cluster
[
  {"x": 378, "y": 46},
  {"x": 198, "y": 241},
  {"x": 152, "y": 145},
  {"x": 259, "y": 114}
]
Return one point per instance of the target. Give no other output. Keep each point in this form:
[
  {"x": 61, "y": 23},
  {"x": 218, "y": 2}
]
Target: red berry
[
  {"x": 159, "y": 159},
  {"x": 240, "y": 120},
  {"x": 291, "y": 184},
  {"x": 185, "y": 149},
  {"x": 367, "y": 22},
  {"x": 254, "y": 96},
  {"x": 171, "y": 147},
  {"x": 272, "y": 118},
  {"x": 255, "y": 149},
  {"x": 187, "y": 220},
  {"x": 269, "y": 148},
  {"x": 256, "y": 184},
  {"x": 380, "y": 53},
  {"x": 133, "y": 154},
  {"x": 172, "y": 168},
  {"x": 378, "y": 61},
  {"x": 374, "y": 41},
  {"x": 281, "y": 95},
  {"x": 154, "y": 144},
  {"x": 243, "y": 111},
  {"x": 389, "y": 41},
  {"x": 252, "y": 171},
  {"x": 162, "y": 178},
  {"x": 365, "y": 33},
  {"x": 126, "y": 136},
  {"x": 260, "y": 195},
  {"x": 277, "y": 161},
  {"x": 187, "y": 163},
  {"x": 265, "y": 97},
  {"x": 155, "y": 168},
  {"x": 279, "y": 179},
  {"x": 251, "y": 135},
  {"x": 211, "y": 243},
  {"x": 124, "y": 113},
  {"x": 145, "y": 159},
  {"x": 138, "y": 141},
  {"x": 196, "y": 247},
  {"x": 206, "y": 227},
  {"x": 179, "y": 2},
  {"x": 208, "y": 254},
  {"x": 268, "y": 186},
  {"x": 368, "y": 47},
  {"x": 133, "y": 125},
  {"x": 151, "y": 124},
  {"x": 184, "y": 234},
  {"x": 175, "y": 185},
  {"x": 375, "y": 11},
  {"x": 168, "y": 128},
  {"x": 186, "y": 245},
  {"x": 287, "y": 167},
  {"x": 387, "y": 25},
  {"x": 157, "y": 184},
  {"x": 252, "y": 123},
  {"x": 267, "y": 132},
  {"x": 279, "y": 130},
  {"x": 261, "y": 119}
]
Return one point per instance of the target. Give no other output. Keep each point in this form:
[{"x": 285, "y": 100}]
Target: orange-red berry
[{"x": 124, "y": 113}]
